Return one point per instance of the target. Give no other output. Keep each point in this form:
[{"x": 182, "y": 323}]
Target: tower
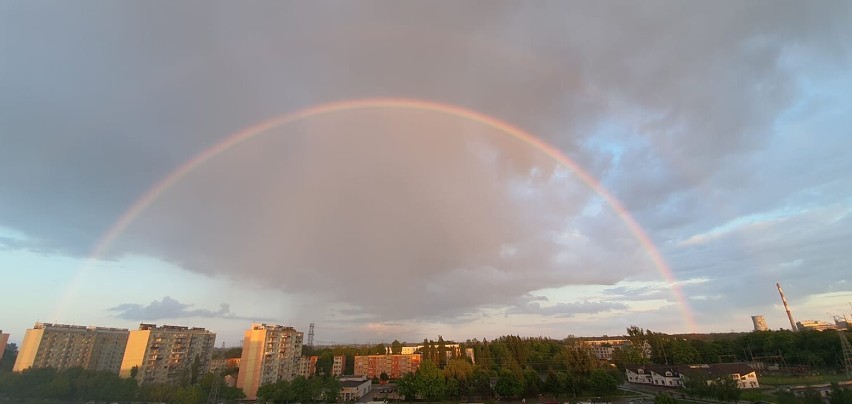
[
  {"x": 759, "y": 323},
  {"x": 847, "y": 352},
  {"x": 787, "y": 308},
  {"x": 311, "y": 336}
]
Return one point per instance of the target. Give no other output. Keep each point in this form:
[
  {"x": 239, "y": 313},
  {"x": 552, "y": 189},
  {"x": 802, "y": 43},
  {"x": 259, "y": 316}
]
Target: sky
[{"x": 672, "y": 162}]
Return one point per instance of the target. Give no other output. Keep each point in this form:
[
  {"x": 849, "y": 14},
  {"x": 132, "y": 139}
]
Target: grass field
[{"x": 774, "y": 380}]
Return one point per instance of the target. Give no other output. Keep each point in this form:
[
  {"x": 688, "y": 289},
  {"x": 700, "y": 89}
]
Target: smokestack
[
  {"x": 759, "y": 323},
  {"x": 787, "y": 307}
]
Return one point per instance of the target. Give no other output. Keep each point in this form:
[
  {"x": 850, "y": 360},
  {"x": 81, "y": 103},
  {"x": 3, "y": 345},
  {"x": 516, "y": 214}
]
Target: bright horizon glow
[{"x": 151, "y": 195}]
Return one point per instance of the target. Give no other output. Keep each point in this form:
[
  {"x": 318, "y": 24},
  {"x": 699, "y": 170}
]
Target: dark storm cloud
[
  {"x": 673, "y": 105},
  {"x": 169, "y": 308}
]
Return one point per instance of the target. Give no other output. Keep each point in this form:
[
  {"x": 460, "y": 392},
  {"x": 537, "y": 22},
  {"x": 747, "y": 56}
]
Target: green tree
[
  {"x": 442, "y": 352},
  {"x": 508, "y": 385},
  {"x": 839, "y": 395},
  {"x": 481, "y": 382},
  {"x": 664, "y": 399},
  {"x": 460, "y": 369},
  {"x": 331, "y": 389},
  {"x": 602, "y": 382},
  {"x": 532, "y": 382},
  {"x": 682, "y": 352},
  {"x": 627, "y": 355},
  {"x": 396, "y": 347},
  {"x": 430, "y": 381},
  {"x": 725, "y": 389},
  {"x": 407, "y": 386}
]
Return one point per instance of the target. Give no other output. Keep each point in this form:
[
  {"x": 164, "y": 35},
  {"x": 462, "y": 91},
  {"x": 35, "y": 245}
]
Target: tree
[
  {"x": 442, "y": 352},
  {"x": 384, "y": 377},
  {"x": 627, "y": 355},
  {"x": 430, "y": 381},
  {"x": 839, "y": 395},
  {"x": 664, "y": 399},
  {"x": 532, "y": 382},
  {"x": 481, "y": 382},
  {"x": 508, "y": 385},
  {"x": 602, "y": 382},
  {"x": 725, "y": 389},
  {"x": 407, "y": 386},
  {"x": 551, "y": 383},
  {"x": 396, "y": 347},
  {"x": 459, "y": 369},
  {"x": 331, "y": 389},
  {"x": 682, "y": 352}
]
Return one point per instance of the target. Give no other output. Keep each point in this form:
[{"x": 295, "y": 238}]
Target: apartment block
[
  {"x": 165, "y": 354},
  {"x": 270, "y": 353},
  {"x": 338, "y": 366},
  {"x": 62, "y": 346},
  {"x": 396, "y": 366},
  {"x": 308, "y": 366},
  {"x": 4, "y": 339}
]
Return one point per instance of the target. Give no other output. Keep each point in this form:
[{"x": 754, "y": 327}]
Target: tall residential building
[
  {"x": 63, "y": 346},
  {"x": 270, "y": 354},
  {"x": 338, "y": 366},
  {"x": 395, "y": 366},
  {"x": 166, "y": 354},
  {"x": 308, "y": 366},
  {"x": 4, "y": 339}
]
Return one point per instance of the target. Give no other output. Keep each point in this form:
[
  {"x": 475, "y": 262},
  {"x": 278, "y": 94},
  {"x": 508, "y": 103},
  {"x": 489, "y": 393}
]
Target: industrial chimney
[
  {"x": 787, "y": 308},
  {"x": 759, "y": 323}
]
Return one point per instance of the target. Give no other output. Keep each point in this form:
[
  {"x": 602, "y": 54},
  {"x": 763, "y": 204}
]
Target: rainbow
[{"x": 250, "y": 132}]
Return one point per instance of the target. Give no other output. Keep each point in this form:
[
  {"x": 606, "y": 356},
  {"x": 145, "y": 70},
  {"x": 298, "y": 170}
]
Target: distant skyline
[{"x": 535, "y": 168}]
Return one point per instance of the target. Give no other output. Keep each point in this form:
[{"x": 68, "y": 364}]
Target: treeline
[
  {"x": 301, "y": 390},
  {"x": 506, "y": 367},
  {"x": 77, "y": 384},
  {"x": 816, "y": 349}
]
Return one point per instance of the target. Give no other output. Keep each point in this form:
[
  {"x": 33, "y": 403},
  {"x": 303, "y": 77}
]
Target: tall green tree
[
  {"x": 430, "y": 381},
  {"x": 396, "y": 347},
  {"x": 508, "y": 385}
]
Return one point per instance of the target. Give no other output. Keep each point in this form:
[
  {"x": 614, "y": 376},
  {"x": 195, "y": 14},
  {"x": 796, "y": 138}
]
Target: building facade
[
  {"x": 270, "y": 354},
  {"x": 223, "y": 365},
  {"x": 167, "y": 354},
  {"x": 353, "y": 388},
  {"x": 308, "y": 366},
  {"x": 4, "y": 339},
  {"x": 338, "y": 365},
  {"x": 396, "y": 366},
  {"x": 62, "y": 346},
  {"x": 675, "y": 376}
]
